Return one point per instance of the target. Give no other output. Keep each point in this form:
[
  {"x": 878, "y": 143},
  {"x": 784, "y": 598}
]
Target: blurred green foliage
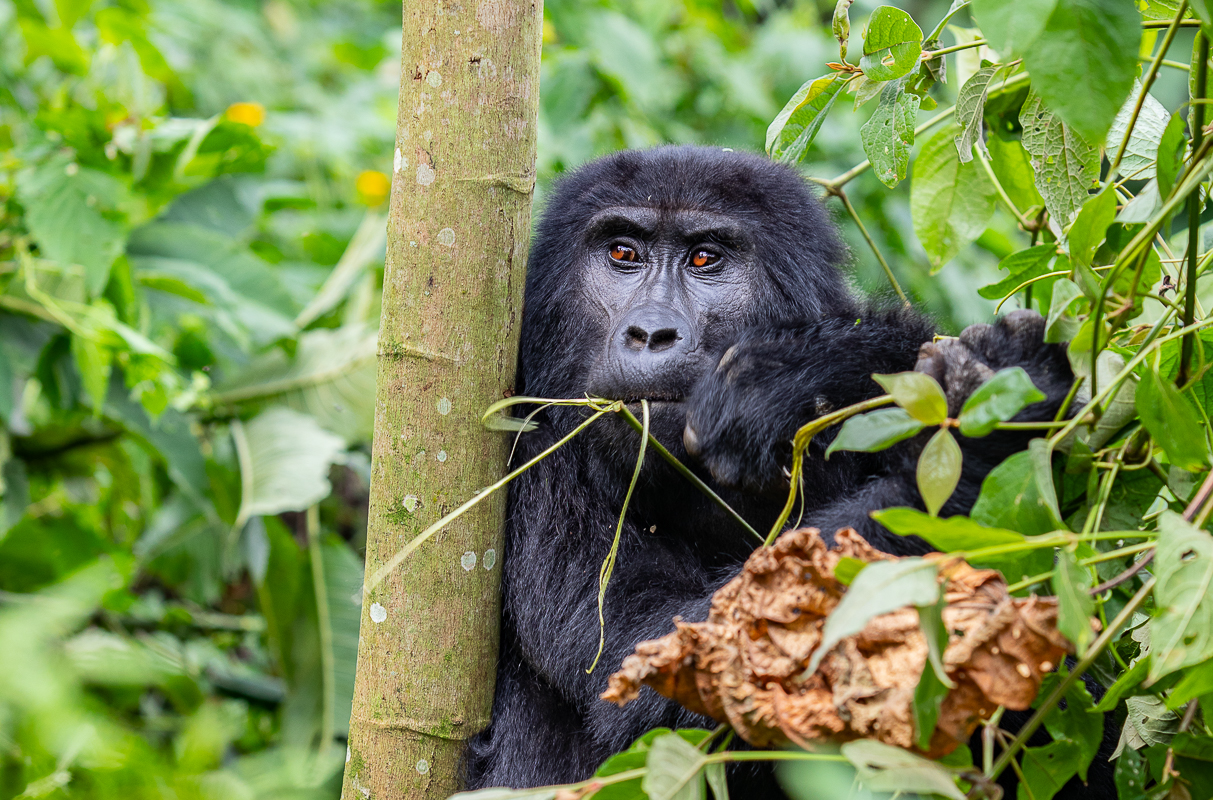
[{"x": 191, "y": 213}]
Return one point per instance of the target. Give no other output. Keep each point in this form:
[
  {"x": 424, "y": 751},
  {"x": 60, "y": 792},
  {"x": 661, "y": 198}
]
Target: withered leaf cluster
[{"x": 747, "y": 664}]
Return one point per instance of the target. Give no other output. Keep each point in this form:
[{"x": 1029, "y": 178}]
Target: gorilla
[{"x": 705, "y": 281}]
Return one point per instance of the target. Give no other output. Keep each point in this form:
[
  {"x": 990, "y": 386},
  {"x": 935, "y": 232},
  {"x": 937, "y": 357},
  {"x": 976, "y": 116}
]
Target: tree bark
[{"x": 458, "y": 233}]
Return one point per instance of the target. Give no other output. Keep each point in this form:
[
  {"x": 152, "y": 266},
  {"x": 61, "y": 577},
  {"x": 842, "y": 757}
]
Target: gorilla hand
[
  {"x": 962, "y": 364},
  {"x": 742, "y": 415}
]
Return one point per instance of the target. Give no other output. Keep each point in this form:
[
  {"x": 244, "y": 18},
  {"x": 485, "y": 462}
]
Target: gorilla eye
[
  {"x": 621, "y": 252},
  {"x": 704, "y": 258}
]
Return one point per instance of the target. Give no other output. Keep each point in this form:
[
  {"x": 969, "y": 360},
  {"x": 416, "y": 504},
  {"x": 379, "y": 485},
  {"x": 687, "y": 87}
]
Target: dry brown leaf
[{"x": 746, "y": 664}]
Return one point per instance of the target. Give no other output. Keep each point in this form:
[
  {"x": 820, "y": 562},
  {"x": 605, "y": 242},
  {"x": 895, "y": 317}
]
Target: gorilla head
[{"x": 648, "y": 264}]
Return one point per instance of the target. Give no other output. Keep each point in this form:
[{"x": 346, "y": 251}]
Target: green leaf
[
  {"x": 875, "y": 430},
  {"x": 71, "y": 210},
  {"x": 1046, "y": 769},
  {"x": 1173, "y": 421},
  {"x": 1091, "y": 225},
  {"x": 888, "y": 135},
  {"x": 1066, "y": 166},
  {"x": 343, "y": 583},
  {"x": 933, "y": 684},
  {"x": 1142, "y": 150},
  {"x": 950, "y": 202},
  {"x": 674, "y": 770},
  {"x": 1131, "y": 774},
  {"x": 169, "y": 438},
  {"x": 1084, "y": 62},
  {"x": 847, "y": 568},
  {"x": 1013, "y": 167},
  {"x": 636, "y": 757},
  {"x": 892, "y": 44},
  {"x": 1021, "y": 266},
  {"x": 1196, "y": 682},
  {"x": 884, "y": 768},
  {"x": 881, "y": 587},
  {"x": 1171, "y": 149},
  {"x": 1011, "y": 28},
  {"x": 1181, "y": 633},
  {"x": 1061, "y": 325},
  {"x": 331, "y": 378},
  {"x": 1078, "y": 722},
  {"x": 939, "y": 470},
  {"x": 963, "y": 534},
  {"x": 502, "y": 793},
  {"x": 714, "y": 773},
  {"x": 1074, "y": 605},
  {"x": 918, "y": 393},
  {"x": 1018, "y": 494},
  {"x": 1126, "y": 683},
  {"x": 93, "y": 362},
  {"x": 970, "y": 108},
  {"x": 793, "y": 129},
  {"x": 284, "y": 462},
  {"x": 998, "y": 400}
]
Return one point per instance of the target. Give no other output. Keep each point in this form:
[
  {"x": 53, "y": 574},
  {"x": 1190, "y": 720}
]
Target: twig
[
  {"x": 1194, "y": 209},
  {"x": 846, "y": 201},
  {"x": 1002, "y": 193}
]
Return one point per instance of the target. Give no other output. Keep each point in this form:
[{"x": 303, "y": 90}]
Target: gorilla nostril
[
  {"x": 690, "y": 440},
  {"x": 663, "y": 339},
  {"x": 635, "y": 337}
]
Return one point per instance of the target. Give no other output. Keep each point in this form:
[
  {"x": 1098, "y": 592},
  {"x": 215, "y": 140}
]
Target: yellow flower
[
  {"x": 373, "y": 187},
  {"x": 251, "y": 114}
]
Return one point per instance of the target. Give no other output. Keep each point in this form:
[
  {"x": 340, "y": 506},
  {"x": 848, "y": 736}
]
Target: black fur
[{"x": 800, "y": 346}]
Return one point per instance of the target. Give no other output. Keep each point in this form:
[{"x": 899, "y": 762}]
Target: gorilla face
[{"x": 667, "y": 290}]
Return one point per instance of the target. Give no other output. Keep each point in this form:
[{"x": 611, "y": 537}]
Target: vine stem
[
  {"x": 957, "y": 48},
  {"x": 1194, "y": 209},
  {"x": 1084, "y": 663},
  {"x": 1146, "y": 82},
  {"x": 846, "y": 201}
]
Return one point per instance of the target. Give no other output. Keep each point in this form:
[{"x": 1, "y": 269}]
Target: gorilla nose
[{"x": 653, "y": 332}]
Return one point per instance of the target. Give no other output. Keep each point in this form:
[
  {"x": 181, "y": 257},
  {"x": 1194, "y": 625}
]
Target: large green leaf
[
  {"x": 1066, "y": 166},
  {"x": 1181, "y": 633},
  {"x": 888, "y": 135},
  {"x": 1074, "y": 604},
  {"x": 1047, "y": 768},
  {"x": 881, "y": 587},
  {"x": 1022, "y": 265},
  {"x": 675, "y": 770},
  {"x": 73, "y": 214},
  {"x": 1018, "y": 494},
  {"x": 284, "y": 461},
  {"x": 950, "y": 202},
  {"x": 1173, "y": 421},
  {"x": 1011, "y": 28},
  {"x": 1013, "y": 167},
  {"x": 970, "y": 108},
  {"x": 892, "y": 44},
  {"x": 793, "y": 129},
  {"x": 884, "y": 768},
  {"x": 331, "y": 378},
  {"x": 1142, "y": 151},
  {"x": 1084, "y": 61}
]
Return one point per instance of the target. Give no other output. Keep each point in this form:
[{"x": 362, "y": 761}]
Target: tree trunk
[{"x": 457, "y": 241}]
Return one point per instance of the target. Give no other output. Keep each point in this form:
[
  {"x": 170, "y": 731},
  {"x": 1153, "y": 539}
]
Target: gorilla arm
[{"x": 744, "y": 413}]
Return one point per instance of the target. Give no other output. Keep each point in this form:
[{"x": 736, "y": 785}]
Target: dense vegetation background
[{"x": 190, "y": 258}]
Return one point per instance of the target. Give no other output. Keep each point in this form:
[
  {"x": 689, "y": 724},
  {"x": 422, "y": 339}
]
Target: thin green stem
[
  {"x": 1059, "y": 691},
  {"x": 1027, "y": 284},
  {"x": 608, "y": 563},
  {"x": 1194, "y": 209},
  {"x": 1162, "y": 23},
  {"x": 1146, "y": 82},
  {"x": 1024, "y": 222},
  {"x": 685, "y": 472},
  {"x": 328, "y": 679},
  {"x": 846, "y": 201},
  {"x": 801, "y": 442},
  {"x": 957, "y": 47}
]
